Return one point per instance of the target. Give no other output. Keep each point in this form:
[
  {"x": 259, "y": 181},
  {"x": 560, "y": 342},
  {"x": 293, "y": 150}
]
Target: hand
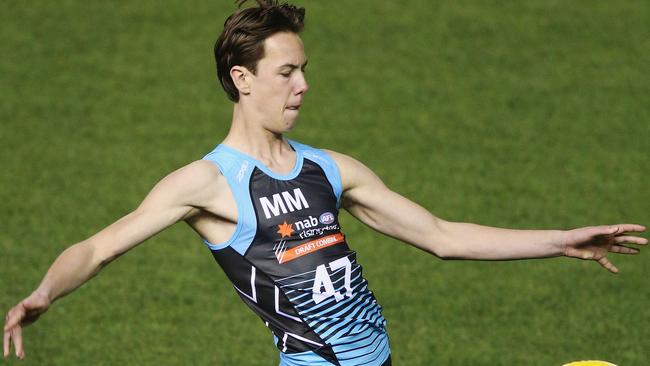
[
  {"x": 21, "y": 315},
  {"x": 596, "y": 242}
]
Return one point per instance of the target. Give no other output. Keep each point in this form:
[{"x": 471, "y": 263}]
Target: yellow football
[{"x": 589, "y": 363}]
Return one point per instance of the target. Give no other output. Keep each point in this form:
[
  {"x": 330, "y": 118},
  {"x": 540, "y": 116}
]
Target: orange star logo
[{"x": 285, "y": 229}]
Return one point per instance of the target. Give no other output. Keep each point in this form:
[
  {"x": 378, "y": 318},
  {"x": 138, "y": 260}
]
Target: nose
[{"x": 302, "y": 86}]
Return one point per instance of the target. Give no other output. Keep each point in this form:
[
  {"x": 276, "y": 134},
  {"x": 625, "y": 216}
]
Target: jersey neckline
[{"x": 297, "y": 166}]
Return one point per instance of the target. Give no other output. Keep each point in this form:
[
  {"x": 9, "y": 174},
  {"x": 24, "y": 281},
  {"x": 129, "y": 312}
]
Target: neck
[{"x": 248, "y": 135}]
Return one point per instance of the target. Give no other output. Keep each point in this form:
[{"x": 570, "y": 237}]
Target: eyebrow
[{"x": 294, "y": 66}]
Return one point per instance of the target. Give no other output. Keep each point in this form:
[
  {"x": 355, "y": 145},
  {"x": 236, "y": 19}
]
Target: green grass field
[{"x": 530, "y": 114}]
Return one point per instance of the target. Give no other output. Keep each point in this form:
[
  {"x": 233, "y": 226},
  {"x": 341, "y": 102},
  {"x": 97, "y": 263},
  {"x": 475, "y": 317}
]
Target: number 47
[{"x": 322, "y": 281}]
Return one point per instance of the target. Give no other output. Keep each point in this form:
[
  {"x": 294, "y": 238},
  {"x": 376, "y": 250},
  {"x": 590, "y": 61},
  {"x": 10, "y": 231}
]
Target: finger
[
  {"x": 631, "y": 228},
  {"x": 5, "y": 344},
  {"x": 630, "y": 240},
  {"x": 15, "y": 316},
  {"x": 17, "y": 337},
  {"x": 621, "y": 249},
  {"x": 605, "y": 230},
  {"x": 607, "y": 265}
]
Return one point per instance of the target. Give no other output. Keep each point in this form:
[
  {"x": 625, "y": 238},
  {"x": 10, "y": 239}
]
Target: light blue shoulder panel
[
  {"x": 326, "y": 163},
  {"x": 237, "y": 168}
]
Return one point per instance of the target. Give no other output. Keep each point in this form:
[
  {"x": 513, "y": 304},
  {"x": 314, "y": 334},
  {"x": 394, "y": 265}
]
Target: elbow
[
  {"x": 448, "y": 246},
  {"x": 101, "y": 259},
  {"x": 446, "y": 252},
  {"x": 438, "y": 248},
  {"x": 95, "y": 256},
  {"x": 442, "y": 243},
  {"x": 103, "y": 262}
]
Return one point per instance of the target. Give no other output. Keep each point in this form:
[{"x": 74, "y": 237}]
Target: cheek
[
  {"x": 272, "y": 94},
  {"x": 268, "y": 89}
]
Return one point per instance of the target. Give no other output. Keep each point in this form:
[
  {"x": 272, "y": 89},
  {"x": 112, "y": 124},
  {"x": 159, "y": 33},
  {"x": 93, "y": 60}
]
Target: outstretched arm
[
  {"x": 171, "y": 200},
  {"x": 367, "y": 198}
]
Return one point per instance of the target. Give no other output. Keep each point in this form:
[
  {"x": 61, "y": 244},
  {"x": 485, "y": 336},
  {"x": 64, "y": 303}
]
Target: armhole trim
[
  {"x": 327, "y": 163},
  {"x": 240, "y": 223}
]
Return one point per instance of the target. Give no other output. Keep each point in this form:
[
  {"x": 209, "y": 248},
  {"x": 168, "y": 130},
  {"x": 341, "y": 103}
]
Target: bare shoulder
[
  {"x": 194, "y": 176},
  {"x": 197, "y": 173},
  {"x": 353, "y": 172},
  {"x": 192, "y": 185},
  {"x": 345, "y": 162}
]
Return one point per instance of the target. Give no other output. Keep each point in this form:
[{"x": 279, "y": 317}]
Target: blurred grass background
[{"x": 529, "y": 114}]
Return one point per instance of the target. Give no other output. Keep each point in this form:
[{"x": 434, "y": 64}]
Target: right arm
[
  {"x": 174, "y": 198},
  {"x": 367, "y": 198}
]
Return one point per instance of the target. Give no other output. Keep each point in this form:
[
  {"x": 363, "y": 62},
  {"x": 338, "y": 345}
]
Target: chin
[
  {"x": 282, "y": 129},
  {"x": 289, "y": 124}
]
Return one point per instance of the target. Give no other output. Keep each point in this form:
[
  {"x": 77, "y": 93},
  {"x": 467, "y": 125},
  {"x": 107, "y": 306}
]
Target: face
[{"x": 278, "y": 87}]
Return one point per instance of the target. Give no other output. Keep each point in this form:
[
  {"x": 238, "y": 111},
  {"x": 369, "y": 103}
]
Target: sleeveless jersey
[{"x": 290, "y": 263}]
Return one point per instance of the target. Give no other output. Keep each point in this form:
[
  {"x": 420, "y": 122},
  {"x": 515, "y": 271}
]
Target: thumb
[
  {"x": 29, "y": 303},
  {"x": 37, "y": 300}
]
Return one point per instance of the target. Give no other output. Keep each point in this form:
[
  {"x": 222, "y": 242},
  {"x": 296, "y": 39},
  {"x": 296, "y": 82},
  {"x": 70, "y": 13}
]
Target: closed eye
[{"x": 287, "y": 69}]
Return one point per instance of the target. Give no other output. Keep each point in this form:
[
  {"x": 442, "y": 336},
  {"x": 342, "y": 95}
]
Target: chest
[{"x": 290, "y": 207}]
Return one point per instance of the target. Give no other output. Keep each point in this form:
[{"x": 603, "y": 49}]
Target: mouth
[{"x": 293, "y": 107}]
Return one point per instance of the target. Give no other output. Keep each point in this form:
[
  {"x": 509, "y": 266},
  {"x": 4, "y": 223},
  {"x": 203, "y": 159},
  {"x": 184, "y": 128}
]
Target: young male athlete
[{"x": 267, "y": 208}]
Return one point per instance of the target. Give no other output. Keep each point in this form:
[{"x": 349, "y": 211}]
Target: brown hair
[{"x": 242, "y": 40}]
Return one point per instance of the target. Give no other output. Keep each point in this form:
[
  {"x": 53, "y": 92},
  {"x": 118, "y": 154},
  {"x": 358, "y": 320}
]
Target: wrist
[
  {"x": 44, "y": 294},
  {"x": 561, "y": 242}
]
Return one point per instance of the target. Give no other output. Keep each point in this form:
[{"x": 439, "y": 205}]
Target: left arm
[{"x": 367, "y": 198}]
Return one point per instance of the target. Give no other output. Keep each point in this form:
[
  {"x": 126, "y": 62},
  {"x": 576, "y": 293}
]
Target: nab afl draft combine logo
[
  {"x": 306, "y": 228},
  {"x": 285, "y": 254}
]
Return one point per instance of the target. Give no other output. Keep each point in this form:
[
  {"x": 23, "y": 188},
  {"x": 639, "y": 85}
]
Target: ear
[{"x": 241, "y": 77}]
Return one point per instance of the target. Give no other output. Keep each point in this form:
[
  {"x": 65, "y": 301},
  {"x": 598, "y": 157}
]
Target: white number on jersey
[{"x": 322, "y": 281}]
